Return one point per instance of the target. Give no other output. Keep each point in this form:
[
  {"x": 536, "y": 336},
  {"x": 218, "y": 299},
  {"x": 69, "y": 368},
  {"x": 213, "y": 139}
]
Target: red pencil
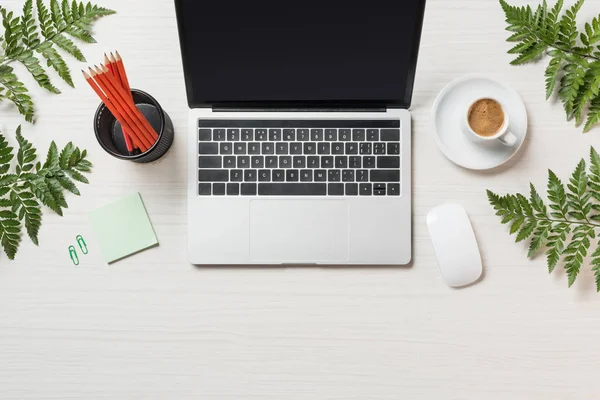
[
  {"x": 125, "y": 122},
  {"x": 113, "y": 70},
  {"x": 128, "y": 102}
]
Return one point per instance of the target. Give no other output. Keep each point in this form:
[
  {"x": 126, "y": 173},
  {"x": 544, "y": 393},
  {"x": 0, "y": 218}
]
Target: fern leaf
[
  {"x": 596, "y": 267},
  {"x": 57, "y": 16},
  {"x": 16, "y": 92},
  {"x": 52, "y": 158},
  {"x": 56, "y": 61},
  {"x": 67, "y": 45},
  {"x": 28, "y": 26},
  {"x": 552, "y": 75},
  {"x": 36, "y": 70},
  {"x": 44, "y": 19},
  {"x": 10, "y": 236},
  {"x": 593, "y": 117}
]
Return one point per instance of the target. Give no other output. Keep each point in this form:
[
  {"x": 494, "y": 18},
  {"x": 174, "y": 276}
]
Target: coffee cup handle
[{"x": 509, "y": 139}]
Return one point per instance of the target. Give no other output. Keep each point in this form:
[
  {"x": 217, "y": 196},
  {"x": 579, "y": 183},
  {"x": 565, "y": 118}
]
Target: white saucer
[{"x": 449, "y": 111}]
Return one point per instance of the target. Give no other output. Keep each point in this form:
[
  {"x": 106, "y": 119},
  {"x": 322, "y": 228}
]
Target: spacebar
[{"x": 292, "y": 189}]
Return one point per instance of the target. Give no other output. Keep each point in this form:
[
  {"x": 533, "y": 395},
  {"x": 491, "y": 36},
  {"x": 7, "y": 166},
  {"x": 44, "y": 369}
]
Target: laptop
[{"x": 299, "y": 132}]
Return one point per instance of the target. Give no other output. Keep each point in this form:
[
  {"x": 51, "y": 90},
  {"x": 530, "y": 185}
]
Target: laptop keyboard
[{"x": 299, "y": 158}]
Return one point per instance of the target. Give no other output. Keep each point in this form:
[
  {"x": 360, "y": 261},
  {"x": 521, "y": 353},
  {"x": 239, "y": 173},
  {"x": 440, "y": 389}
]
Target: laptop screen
[{"x": 299, "y": 53}]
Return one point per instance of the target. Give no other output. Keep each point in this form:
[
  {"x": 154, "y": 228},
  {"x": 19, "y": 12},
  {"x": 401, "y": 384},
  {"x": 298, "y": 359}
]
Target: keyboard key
[
  {"x": 247, "y": 135},
  {"x": 359, "y": 135},
  {"x": 285, "y": 162},
  {"x": 271, "y": 162},
  {"x": 204, "y": 135},
  {"x": 337, "y": 148},
  {"x": 291, "y": 175},
  {"x": 393, "y": 148},
  {"x": 264, "y": 175},
  {"x": 313, "y": 162},
  {"x": 369, "y": 162},
  {"x": 373, "y": 135},
  {"x": 248, "y": 189},
  {"x": 282, "y": 148},
  {"x": 303, "y": 135},
  {"x": 210, "y": 162},
  {"x": 385, "y": 175},
  {"x": 278, "y": 175},
  {"x": 355, "y": 162},
  {"x": 258, "y": 161},
  {"x": 226, "y": 148},
  {"x": 233, "y": 135},
  {"x": 275, "y": 135},
  {"x": 233, "y": 189},
  {"x": 336, "y": 189},
  {"x": 327, "y": 162},
  {"x": 243, "y": 162},
  {"x": 324, "y": 148},
  {"x": 310, "y": 148},
  {"x": 296, "y": 148},
  {"x": 334, "y": 175},
  {"x": 345, "y": 135},
  {"x": 365, "y": 189},
  {"x": 229, "y": 162},
  {"x": 362, "y": 175},
  {"x": 388, "y": 162},
  {"x": 239, "y": 148},
  {"x": 366, "y": 148},
  {"x": 204, "y": 189},
  {"x": 254, "y": 148},
  {"x": 390, "y": 135},
  {"x": 219, "y": 135},
  {"x": 250, "y": 175},
  {"x": 292, "y": 189},
  {"x": 208, "y": 148},
  {"x": 379, "y": 189},
  {"x": 351, "y": 148},
  {"x": 341, "y": 162},
  {"x": 260, "y": 135},
  {"x": 299, "y": 162},
  {"x": 219, "y": 189},
  {"x": 268, "y": 148},
  {"x": 379, "y": 148},
  {"x": 331, "y": 135},
  {"x": 316, "y": 135},
  {"x": 352, "y": 189},
  {"x": 348, "y": 175},
  {"x": 236, "y": 175},
  {"x": 320, "y": 175},
  {"x": 213, "y": 175},
  {"x": 393, "y": 189},
  {"x": 289, "y": 135},
  {"x": 306, "y": 175}
]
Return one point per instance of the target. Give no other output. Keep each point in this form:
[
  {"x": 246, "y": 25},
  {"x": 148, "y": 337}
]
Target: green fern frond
[
  {"x": 22, "y": 193},
  {"x": 574, "y": 67},
  {"x": 566, "y": 226},
  {"x": 37, "y": 34}
]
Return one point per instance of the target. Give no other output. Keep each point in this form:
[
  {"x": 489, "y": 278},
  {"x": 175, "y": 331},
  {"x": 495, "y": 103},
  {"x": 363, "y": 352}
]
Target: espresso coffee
[{"x": 486, "y": 117}]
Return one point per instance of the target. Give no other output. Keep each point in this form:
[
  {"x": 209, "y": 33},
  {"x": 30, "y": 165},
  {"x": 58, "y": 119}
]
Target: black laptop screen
[{"x": 241, "y": 52}]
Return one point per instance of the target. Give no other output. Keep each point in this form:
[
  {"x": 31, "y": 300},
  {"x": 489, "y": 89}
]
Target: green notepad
[{"x": 123, "y": 228}]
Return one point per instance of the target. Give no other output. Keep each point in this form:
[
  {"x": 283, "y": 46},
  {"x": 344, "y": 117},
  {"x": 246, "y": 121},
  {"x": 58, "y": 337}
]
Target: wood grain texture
[{"x": 155, "y": 327}]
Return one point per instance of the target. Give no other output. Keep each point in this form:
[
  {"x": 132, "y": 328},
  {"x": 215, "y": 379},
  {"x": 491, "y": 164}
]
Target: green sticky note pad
[{"x": 123, "y": 228}]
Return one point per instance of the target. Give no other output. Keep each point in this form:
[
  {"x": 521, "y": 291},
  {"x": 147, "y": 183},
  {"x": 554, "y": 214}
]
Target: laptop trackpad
[{"x": 299, "y": 231}]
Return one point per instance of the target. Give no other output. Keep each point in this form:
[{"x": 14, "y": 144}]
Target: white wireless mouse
[{"x": 455, "y": 245}]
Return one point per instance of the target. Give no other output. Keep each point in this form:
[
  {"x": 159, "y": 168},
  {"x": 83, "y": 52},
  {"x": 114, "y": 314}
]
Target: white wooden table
[{"x": 155, "y": 327}]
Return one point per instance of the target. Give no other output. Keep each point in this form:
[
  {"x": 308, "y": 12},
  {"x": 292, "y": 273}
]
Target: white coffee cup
[{"x": 504, "y": 135}]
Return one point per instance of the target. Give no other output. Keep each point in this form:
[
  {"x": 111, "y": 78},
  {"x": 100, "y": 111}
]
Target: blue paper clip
[
  {"x": 82, "y": 244},
  {"x": 73, "y": 255}
]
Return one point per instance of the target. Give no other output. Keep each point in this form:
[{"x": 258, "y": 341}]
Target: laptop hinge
[{"x": 271, "y": 109}]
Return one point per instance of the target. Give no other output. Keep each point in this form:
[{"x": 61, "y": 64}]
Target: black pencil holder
[{"x": 110, "y": 134}]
